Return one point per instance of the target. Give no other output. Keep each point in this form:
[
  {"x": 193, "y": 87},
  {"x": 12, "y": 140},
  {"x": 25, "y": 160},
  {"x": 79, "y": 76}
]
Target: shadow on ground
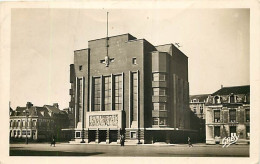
[{"x": 48, "y": 153}]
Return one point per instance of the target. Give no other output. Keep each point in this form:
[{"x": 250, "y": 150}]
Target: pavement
[{"x": 147, "y": 150}]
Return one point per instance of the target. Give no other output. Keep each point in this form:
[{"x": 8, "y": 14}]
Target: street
[{"x": 180, "y": 150}]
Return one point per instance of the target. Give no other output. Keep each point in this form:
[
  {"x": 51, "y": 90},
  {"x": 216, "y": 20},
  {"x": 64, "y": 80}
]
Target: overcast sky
[{"x": 43, "y": 40}]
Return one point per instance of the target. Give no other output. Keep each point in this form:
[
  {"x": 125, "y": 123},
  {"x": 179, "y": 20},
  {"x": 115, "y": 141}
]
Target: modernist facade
[
  {"x": 124, "y": 85},
  {"x": 37, "y": 123},
  {"x": 228, "y": 114}
]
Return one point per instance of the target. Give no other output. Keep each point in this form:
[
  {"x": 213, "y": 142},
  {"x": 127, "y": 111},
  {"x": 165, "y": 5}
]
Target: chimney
[
  {"x": 56, "y": 105},
  {"x": 221, "y": 86},
  {"x": 29, "y": 105}
]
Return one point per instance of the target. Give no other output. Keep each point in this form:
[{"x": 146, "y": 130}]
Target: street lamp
[{"x": 27, "y": 114}]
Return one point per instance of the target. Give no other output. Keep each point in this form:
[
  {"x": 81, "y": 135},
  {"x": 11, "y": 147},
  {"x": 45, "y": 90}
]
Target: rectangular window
[
  {"x": 159, "y": 91},
  {"x": 97, "y": 93},
  {"x": 107, "y": 93},
  {"x": 23, "y": 132},
  {"x": 247, "y": 115},
  {"x": 155, "y": 121},
  {"x": 216, "y": 131},
  {"x": 159, "y": 77},
  {"x": 80, "y": 67},
  {"x": 77, "y": 134},
  {"x": 159, "y": 106},
  {"x": 80, "y": 96},
  {"x": 232, "y": 115},
  {"x": 14, "y": 132},
  {"x": 163, "y": 121},
  {"x": 134, "y": 61},
  {"x": 135, "y": 95},
  {"x": 216, "y": 115},
  {"x": 133, "y": 135},
  {"x": 201, "y": 109},
  {"x": 18, "y": 132},
  {"x": 118, "y": 95},
  {"x": 28, "y": 132}
]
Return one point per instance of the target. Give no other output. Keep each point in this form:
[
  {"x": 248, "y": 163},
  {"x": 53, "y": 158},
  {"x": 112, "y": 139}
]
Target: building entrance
[
  {"x": 102, "y": 135},
  {"x": 113, "y": 135},
  {"x": 91, "y": 135}
]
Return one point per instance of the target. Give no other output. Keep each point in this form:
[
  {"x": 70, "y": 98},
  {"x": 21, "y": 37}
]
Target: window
[
  {"x": 28, "y": 132},
  {"x": 233, "y": 130},
  {"x": 232, "y": 115},
  {"x": 34, "y": 123},
  {"x": 135, "y": 96},
  {"x": 80, "y": 67},
  {"x": 155, "y": 121},
  {"x": 118, "y": 95},
  {"x": 14, "y": 132},
  {"x": 159, "y": 76},
  {"x": 216, "y": 131},
  {"x": 232, "y": 99},
  {"x": 216, "y": 115},
  {"x": 18, "y": 132},
  {"x": 134, "y": 61},
  {"x": 194, "y": 109},
  {"x": 11, "y": 123},
  {"x": 159, "y": 92},
  {"x": 107, "y": 93},
  {"x": 247, "y": 115},
  {"x": 133, "y": 135},
  {"x": 217, "y": 100},
  {"x": 23, "y": 132},
  {"x": 77, "y": 134},
  {"x": 201, "y": 109},
  {"x": 247, "y": 131},
  {"x": 159, "y": 106},
  {"x": 97, "y": 94},
  {"x": 163, "y": 121}
]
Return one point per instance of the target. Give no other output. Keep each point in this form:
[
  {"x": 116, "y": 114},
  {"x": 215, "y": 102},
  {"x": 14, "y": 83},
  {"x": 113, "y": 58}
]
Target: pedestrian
[
  {"x": 122, "y": 140},
  {"x": 53, "y": 141},
  {"x": 189, "y": 142}
]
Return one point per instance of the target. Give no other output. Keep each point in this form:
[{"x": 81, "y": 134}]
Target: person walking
[
  {"x": 189, "y": 142},
  {"x": 53, "y": 141},
  {"x": 122, "y": 140}
]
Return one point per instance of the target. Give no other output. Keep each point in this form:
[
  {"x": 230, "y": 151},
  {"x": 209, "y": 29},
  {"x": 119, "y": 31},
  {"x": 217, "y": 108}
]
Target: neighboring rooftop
[
  {"x": 201, "y": 98},
  {"x": 235, "y": 90}
]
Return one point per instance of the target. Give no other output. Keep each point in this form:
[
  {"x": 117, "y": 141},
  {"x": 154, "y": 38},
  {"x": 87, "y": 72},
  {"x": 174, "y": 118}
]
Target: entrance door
[
  {"x": 102, "y": 135},
  {"x": 113, "y": 135},
  {"x": 91, "y": 135},
  {"x": 233, "y": 131}
]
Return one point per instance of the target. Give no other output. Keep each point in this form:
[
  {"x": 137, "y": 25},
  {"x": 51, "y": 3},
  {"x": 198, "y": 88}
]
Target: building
[
  {"x": 124, "y": 85},
  {"x": 197, "y": 106},
  {"x": 228, "y": 114},
  {"x": 41, "y": 123}
]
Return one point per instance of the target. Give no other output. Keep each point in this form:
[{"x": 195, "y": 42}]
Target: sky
[{"x": 216, "y": 42}]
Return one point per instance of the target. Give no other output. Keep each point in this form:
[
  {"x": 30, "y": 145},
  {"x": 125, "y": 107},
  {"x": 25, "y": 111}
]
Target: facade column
[
  {"x": 86, "y": 135},
  {"x": 107, "y": 136},
  {"x": 97, "y": 136}
]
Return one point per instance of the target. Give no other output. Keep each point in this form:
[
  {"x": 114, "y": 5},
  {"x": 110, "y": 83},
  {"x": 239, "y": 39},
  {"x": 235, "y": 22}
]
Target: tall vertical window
[
  {"x": 201, "y": 109},
  {"x": 247, "y": 115},
  {"x": 216, "y": 115},
  {"x": 97, "y": 93},
  {"x": 232, "y": 115},
  {"x": 216, "y": 131},
  {"x": 159, "y": 76},
  {"x": 107, "y": 93},
  {"x": 135, "y": 95},
  {"x": 232, "y": 99},
  {"x": 118, "y": 99},
  {"x": 217, "y": 99},
  {"x": 247, "y": 131},
  {"x": 80, "y": 103}
]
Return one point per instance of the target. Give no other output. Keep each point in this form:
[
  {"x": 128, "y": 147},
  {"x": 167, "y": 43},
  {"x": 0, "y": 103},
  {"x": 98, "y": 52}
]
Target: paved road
[{"x": 199, "y": 150}]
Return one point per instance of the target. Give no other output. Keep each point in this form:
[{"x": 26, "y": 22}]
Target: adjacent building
[
  {"x": 197, "y": 107},
  {"x": 37, "y": 123},
  {"x": 124, "y": 85},
  {"x": 228, "y": 114}
]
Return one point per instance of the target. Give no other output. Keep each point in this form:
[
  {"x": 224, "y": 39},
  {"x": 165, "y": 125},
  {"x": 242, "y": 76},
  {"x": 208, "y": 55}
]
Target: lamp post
[{"x": 27, "y": 114}]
